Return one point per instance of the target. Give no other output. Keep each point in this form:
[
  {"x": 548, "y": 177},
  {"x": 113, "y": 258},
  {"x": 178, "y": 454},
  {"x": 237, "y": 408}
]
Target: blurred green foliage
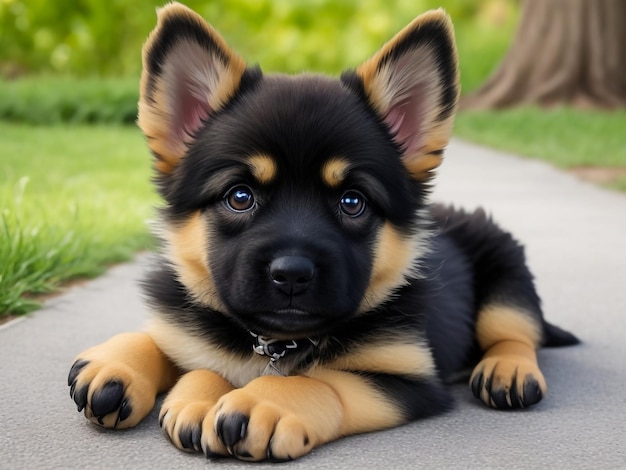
[
  {"x": 60, "y": 99},
  {"x": 104, "y": 38},
  {"x": 79, "y": 60}
]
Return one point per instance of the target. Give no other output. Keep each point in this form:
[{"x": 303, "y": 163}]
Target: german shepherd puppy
[{"x": 308, "y": 290}]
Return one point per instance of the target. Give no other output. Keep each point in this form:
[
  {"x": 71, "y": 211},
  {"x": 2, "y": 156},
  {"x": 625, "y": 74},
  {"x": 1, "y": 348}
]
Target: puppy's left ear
[{"x": 412, "y": 83}]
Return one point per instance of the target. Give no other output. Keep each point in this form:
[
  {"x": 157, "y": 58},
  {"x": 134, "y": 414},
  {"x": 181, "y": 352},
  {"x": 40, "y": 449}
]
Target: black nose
[{"x": 292, "y": 274}]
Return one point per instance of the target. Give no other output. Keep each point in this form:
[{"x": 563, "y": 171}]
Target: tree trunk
[{"x": 565, "y": 52}]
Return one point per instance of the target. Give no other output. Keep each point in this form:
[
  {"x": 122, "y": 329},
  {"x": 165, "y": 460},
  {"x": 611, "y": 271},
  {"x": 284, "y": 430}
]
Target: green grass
[
  {"x": 72, "y": 200},
  {"x": 54, "y": 100},
  {"x": 564, "y": 137}
]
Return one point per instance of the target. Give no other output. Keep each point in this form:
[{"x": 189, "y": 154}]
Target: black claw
[
  {"x": 72, "y": 388},
  {"x": 477, "y": 384},
  {"x": 196, "y": 437},
  {"x": 209, "y": 454},
  {"x": 107, "y": 400},
  {"x": 516, "y": 400},
  {"x": 125, "y": 410},
  {"x": 75, "y": 370},
  {"x": 499, "y": 398},
  {"x": 162, "y": 418},
  {"x": 80, "y": 397},
  {"x": 190, "y": 437},
  {"x": 489, "y": 384},
  {"x": 532, "y": 391},
  {"x": 270, "y": 457},
  {"x": 185, "y": 436},
  {"x": 232, "y": 428}
]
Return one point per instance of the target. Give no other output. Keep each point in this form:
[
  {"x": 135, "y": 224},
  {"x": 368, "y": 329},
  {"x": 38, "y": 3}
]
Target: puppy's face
[{"x": 292, "y": 202}]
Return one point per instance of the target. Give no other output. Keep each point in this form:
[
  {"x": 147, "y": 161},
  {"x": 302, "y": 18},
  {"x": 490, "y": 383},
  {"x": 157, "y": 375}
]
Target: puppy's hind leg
[{"x": 509, "y": 324}]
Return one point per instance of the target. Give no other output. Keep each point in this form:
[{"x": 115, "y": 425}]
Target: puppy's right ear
[{"x": 189, "y": 73}]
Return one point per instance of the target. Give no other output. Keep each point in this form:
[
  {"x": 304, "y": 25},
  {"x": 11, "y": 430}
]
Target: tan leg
[
  {"x": 188, "y": 403},
  {"x": 282, "y": 418},
  {"x": 116, "y": 382},
  {"x": 508, "y": 375}
]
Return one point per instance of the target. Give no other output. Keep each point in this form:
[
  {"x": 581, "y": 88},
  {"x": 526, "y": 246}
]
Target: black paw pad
[
  {"x": 232, "y": 428},
  {"x": 108, "y": 399}
]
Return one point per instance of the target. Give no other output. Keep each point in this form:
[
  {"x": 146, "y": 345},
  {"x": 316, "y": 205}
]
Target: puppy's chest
[{"x": 189, "y": 351}]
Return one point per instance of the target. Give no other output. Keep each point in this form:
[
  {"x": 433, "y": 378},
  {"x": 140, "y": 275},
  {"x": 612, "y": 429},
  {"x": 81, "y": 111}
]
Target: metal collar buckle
[{"x": 274, "y": 348}]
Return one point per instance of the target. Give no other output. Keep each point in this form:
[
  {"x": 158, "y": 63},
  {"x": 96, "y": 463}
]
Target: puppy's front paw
[
  {"x": 504, "y": 382},
  {"x": 181, "y": 421},
  {"x": 111, "y": 394},
  {"x": 252, "y": 428}
]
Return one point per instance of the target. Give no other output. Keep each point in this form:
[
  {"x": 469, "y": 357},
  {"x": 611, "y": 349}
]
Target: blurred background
[
  {"x": 87, "y": 38},
  {"x": 89, "y": 49},
  {"x": 540, "y": 78}
]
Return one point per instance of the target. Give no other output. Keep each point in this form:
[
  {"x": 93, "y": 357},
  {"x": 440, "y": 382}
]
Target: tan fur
[
  {"x": 391, "y": 355},
  {"x": 347, "y": 404},
  {"x": 506, "y": 363},
  {"x": 263, "y": 168},
  {"x": 497, "y": 323},
  {"x": 191, "y": 399},
  {"x": 291, "y": 415},
  {"x": 135, "y": 360},
  {"x": 334, "y": 171},
  {"x": 187, "y": 248},
  {"x": 296, "y": 413},
  {"x": 394, "y": 261},
  {"x": 509, "y": 339},
  {"x": 192, "y": 352},
  {"x": 156, "y": 106},
  {"x": 377, "y": 78},
  {"x": 364, "y": 408}
]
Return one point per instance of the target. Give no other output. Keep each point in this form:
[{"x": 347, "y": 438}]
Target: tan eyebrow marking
[
  {"x": 263, "y": 168},
  {"x": 334, "y": 171}
]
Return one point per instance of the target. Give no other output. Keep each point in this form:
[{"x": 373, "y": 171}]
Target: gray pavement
[{"x": 576, "y": 241}]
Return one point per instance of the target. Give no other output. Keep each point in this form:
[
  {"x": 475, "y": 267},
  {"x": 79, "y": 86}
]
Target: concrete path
[{"x": 576, "y": 241}]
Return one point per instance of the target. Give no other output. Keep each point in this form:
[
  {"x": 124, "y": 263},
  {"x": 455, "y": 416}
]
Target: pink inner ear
[
  {"x": 405, "y": 120},
  {"x": 191, "y": 112}
]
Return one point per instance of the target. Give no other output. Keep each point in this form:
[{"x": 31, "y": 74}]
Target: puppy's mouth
[{"x": 289, "y": 323}]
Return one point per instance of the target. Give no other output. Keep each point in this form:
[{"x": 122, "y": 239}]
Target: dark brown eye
[
  {"x": 240, "y": 199},
  {"x": 352, "y": 203}
]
